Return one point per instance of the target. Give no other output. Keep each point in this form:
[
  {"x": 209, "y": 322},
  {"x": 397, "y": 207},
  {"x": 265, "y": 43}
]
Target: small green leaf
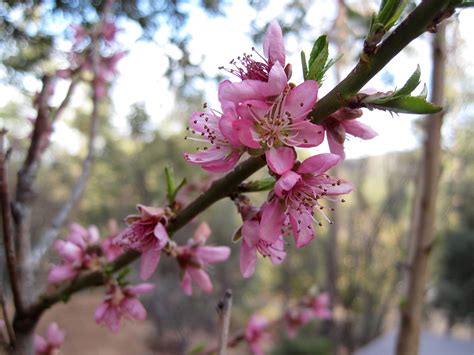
[
  {"x": 304, "y": 65},
  {"x": 411, "y": 83},
  {"x": 170, "y": 184},
  {"x": 319, "y": 50},
  {"x": 410, "y": 104},
  {"x": 264, "y": 184}
]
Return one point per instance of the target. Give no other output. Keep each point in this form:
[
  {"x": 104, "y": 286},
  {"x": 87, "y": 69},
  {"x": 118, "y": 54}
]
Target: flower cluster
[
  {"x": 263, "y": 113},
  {"x": 51, "y": 344}
]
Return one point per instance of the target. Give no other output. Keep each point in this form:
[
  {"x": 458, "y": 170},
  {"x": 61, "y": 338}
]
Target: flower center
[{"x": 247, "y": 68}]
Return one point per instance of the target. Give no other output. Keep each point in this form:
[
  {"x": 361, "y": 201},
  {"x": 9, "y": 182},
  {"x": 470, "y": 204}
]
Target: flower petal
[
  {"x": 319, "y": 164},
  {"x": 305, "y": 134},
  {"x": 186, "y": 283},
  {"x": 201, "y": 278},
  {"x": 286, "y": 183},
  {"x": 358, "y": 129},
  {"x": 148, "y": 263},
  {"x": 248, "y": 259},
  {"x": 210, "y": 255},
  {"x": 133, "y": 308},
  {"x": 280, "y": 160},
  {"x": 161, "y": 235},
  {"x": 301, "y": 99},
  {"x": 302, "y": 225},
  {"x": 140, "y": 289},
  {"x": 246, "y": 133},
  {"x": 273, "y": 45},
  {"x": 273, "y": 217},
  {"x": 334, "y": 146}
]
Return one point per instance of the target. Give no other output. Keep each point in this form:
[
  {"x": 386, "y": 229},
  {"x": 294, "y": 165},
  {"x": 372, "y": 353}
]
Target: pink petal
[
  {"x": 286, "y": 183},
  {"x": 273, "y": 45},
  {"x": 280, "y": 160},
  {"x": 334, "y": 146},
  {"x": 305, "y": 134},
  {"x": 331, "y": 186},
  {"x": 140, "y": 289},
  {"x": 215, "y": 160},
  {"x": 148, "y": 263},
  {"x": 100, "y": 312},
  {"x": 278, "y": 253},
  {"x": 201, "y": 278},
  {"x": 40, "y": 344},
  {"x": 202, "y": 233},
  {"x": 69, "y": 251},
  {"x": 161, "y": 235},
  {"x": 301, "y": 99},
  {"x": 60, "y": 273},
  {"x": 133, "y": 308},
  {"x": 210, "y": 255},
  {"x": 319, "y": 164},
  {"x": 302, "y": 231},
  {"x": 186, "y": 283},
  {"x": 248, "y": 259},
  {"x": 226, "y": 126},
  {"x": 93, "y": 235},
  {"x": 148, "y": 212},
  {"x": 250, "y": 232},
  {"x": 358, "y": 129},
  {"x": 246, "y": 133},
  {"x": 55, "y": 335},
  {"x": 277, "y": 81},
  {"x": 273, "y": 217}
]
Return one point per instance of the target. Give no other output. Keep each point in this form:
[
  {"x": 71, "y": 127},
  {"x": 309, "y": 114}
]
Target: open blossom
[
  {"x": 146, "y": 234},
  {"x": 345, "y": 121},
  {"x": 262, "y": 234},
  {"x": 122, "y": 303},
  {"x": 256, "y": 333},
  {"x": 75, "y": 253},
  {"x": 194, "y": 258},
  {"x": 300, "y": 189},
  {"x": 51, "y": 344},
  {"x": 283, "y": 122},
  {"x": 263, "y": 77},
  {"x": 224, "y": 148}
]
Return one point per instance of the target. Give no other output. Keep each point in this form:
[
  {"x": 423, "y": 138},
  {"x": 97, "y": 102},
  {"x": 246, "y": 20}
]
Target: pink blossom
[
  {"x": 296, "y": 318},
  {"x": 109, "y": 30},
  {"x": 256, "y": 333},
  {"x": 75, "y": 252},
  {"x": 345, "y": 121},
  {"x": 194, "y": 258},
  {"x": 122, "y": 302},
  {"x": 110, "y": 249},
  {"x": 319, "y": 305},
  {"x": 51, "y": 344},
  {"x": 302, "y": 190},
  {"x": 146, "y": 234},
  {"x": 262, "y": 234},
  {"x": 225, "y": 148},
  {"x": 284, "y": 122},
  {"x": 263, "y": 77}
]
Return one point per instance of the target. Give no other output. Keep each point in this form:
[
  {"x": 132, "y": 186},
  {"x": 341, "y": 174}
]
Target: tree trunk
[{"x": 424, "y": 212}]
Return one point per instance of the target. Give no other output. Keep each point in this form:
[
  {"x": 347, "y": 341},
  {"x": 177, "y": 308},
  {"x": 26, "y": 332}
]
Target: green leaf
[
  {"x": 170, "y": 186},
  {"x": 411, "y": 83},
  {"x": 390, "y": 11},
  {"x": 410, "y": 104},
  {"x": 304, "y": 66},
  {"x": 197, "y": 349},
  {"x": 317, "y": 60},
  {"x": 264, "y": 184}
]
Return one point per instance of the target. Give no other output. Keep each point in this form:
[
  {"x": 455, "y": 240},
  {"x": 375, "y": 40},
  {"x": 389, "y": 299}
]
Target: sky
[{"x": 216, "y": 40}]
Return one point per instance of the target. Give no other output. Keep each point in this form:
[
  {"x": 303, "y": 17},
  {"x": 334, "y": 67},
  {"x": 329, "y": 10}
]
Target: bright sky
[{"x": 223, "y": 38}]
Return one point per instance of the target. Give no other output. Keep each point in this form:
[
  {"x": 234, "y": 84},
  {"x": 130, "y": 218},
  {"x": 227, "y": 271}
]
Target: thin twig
[
  {"x": 63, "y": 212},
  {"x": 224, "y": 309},
  {"x": 6, "y": 319},
  {"x": 63, "y": 105},
  {"x": 7, "y": 228}
]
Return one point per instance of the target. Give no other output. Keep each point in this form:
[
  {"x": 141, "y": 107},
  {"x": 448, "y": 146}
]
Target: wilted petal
[
  {"x": 148, "y": 263},
  {"x": 319, "y": 164},
  {"x": 280, "y": 160}
]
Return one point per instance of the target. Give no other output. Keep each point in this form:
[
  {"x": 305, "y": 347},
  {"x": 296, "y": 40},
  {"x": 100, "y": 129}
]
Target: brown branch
[
  {"x": 63, "y": 105},
  {"x": 7, "y": 228},
  {"x": 224, "y": 311},
  {"x": 60, "y": 218}
]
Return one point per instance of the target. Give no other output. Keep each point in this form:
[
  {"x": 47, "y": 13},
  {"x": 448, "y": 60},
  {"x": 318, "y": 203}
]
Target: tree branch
[
  {"x": 7, "y": 229},
  {"x": 6, "y": 318},
  {"x": 224, "y": 311},
  {"x": 418, "y": 21},
  {"x": 59, "y": 219},
  {"x": 62, "y": 106}
]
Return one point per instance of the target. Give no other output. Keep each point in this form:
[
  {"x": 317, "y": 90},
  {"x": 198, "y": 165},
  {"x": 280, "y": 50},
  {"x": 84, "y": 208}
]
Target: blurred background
[{"x": 171, "y": 69}]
